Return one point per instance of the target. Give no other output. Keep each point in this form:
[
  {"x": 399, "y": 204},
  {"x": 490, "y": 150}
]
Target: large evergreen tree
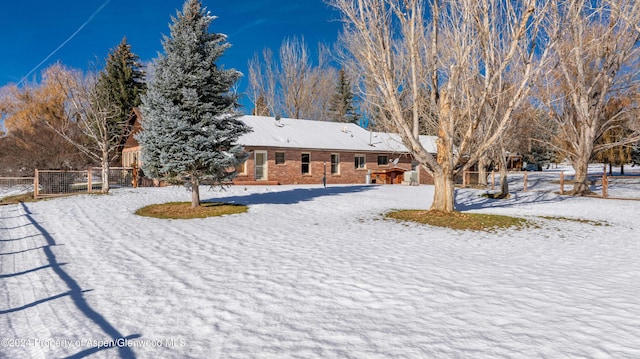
[
  {"x": 190, "y": 124},
  {"x": 121, "y": 84},
  {"x": 341, "y": 108}
]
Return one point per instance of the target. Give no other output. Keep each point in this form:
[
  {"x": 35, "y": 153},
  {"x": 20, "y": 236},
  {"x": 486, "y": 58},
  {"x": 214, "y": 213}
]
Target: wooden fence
[
  {"x": 15, "y": 181},
  {"x": 10, "y": 186},
  {"x": 560, "y": 182},
  {"x": 53, "y": 183}
]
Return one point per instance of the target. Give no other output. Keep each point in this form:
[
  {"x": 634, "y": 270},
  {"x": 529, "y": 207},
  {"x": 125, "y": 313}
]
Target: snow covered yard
[
  {"x": 312, "y": 272},
  {"x": 6, "y": 191}
]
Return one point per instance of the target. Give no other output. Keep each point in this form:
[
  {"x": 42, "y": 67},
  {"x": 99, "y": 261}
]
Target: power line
[{"x": 65, "y": 41}]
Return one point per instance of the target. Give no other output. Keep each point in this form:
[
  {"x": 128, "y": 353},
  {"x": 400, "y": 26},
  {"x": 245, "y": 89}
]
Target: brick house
[{"x": 291, "y": 151}]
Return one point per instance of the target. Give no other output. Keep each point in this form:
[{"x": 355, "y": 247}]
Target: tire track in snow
[{"x": 169, "y": 285}]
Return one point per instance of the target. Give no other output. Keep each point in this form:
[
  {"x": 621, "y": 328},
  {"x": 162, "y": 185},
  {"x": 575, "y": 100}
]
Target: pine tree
[
  {"x": 121, "y": 83},
  {"x": 190, "y": 116},
  {"x": 342, "y": 107}
]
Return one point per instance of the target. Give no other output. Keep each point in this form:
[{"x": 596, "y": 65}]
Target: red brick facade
[{"x": 320, "y": 162}]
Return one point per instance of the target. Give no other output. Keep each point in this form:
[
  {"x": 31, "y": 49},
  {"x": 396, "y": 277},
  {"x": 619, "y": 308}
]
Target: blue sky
[{"x": 33, "y": 29}]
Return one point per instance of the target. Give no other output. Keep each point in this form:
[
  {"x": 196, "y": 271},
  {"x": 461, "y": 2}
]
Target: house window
[
  {"x": 335, "y": 163},
  {"x": 306, "y": 161},
  {"x": 383, "y": 160},
  {"x": 279, "y": 158},
  {"x": 359, "y": 161}
]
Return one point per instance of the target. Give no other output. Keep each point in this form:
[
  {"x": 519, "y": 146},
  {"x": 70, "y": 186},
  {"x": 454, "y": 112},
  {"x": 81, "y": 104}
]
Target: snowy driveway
[{"x": 315, "y": 273}]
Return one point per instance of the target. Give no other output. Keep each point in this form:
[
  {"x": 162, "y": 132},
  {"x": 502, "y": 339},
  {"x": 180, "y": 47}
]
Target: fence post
[
  {"x": 561, "y": 182},
  {"x": 605, "y": 185},
  {"x": 493, "y": 180},
  {"x": 135, "y": 175},
  {"x": 525, "y": 181},
  {"x": 464, "y": 179},
  {"x": 89, "y": 184},
  {"x": 35, "y": 184}
]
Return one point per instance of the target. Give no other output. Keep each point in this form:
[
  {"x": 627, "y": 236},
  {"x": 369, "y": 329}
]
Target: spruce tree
[
  {"x": 121, "y": 84},
  {"x": 341, "y": 108},
  {"x": 190, "y": 124},
  {"x": 123, "y": 77}
]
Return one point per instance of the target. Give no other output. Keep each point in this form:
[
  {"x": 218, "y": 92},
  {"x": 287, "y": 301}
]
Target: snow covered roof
[{"x": 322, "y": 135}]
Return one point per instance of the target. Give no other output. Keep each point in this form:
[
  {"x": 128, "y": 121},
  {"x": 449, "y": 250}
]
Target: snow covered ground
[
  {"x": 6, "y": 191},
  {"x": 310, "y": 272},
  {"x": 548, "y": 180}
]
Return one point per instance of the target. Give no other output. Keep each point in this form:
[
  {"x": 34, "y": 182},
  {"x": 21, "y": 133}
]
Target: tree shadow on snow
[
  {"x": 467, "y": 200},
  {"x": 76, "y": 293},
  {"x": 291, "y": 196}
]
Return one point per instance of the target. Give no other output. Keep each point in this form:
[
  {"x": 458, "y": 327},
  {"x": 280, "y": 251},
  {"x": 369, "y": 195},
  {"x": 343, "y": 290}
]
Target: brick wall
[{"x": 290, "y": 172}]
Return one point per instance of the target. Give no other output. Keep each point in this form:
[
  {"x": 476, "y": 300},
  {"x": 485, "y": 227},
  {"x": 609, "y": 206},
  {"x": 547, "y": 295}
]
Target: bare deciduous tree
[
  {"x": 443, "y": 67},
  {"x": 262, "y": 83},
  {"x": 90, "y": 110},
  {"x": 596, "y": 62},
  {"x": 292, "y": 86},
  {"x": 29, "y": 143}
]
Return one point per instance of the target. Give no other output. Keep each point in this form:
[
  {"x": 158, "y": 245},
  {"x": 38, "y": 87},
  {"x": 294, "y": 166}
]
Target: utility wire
[{"x": 65, "y": 41}]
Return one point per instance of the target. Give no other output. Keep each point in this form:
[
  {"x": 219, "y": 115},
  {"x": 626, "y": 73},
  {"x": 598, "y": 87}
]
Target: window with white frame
[
  {"x": 359, "y": 161},
  {"x": 335, "y": 163}
]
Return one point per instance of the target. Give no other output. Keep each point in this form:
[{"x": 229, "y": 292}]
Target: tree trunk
[
  {"x": 482, "y": 171},
  {"x": 580, "y": 162},
  {"x": 581, "y": 179},
  {"x": 443, "y": 195},
  {"x": 195, "y": 191},
  {"x": 504, "y": 182},
  {"x": 622, "y": 170},
  {"x": 105, "y": 172}
]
